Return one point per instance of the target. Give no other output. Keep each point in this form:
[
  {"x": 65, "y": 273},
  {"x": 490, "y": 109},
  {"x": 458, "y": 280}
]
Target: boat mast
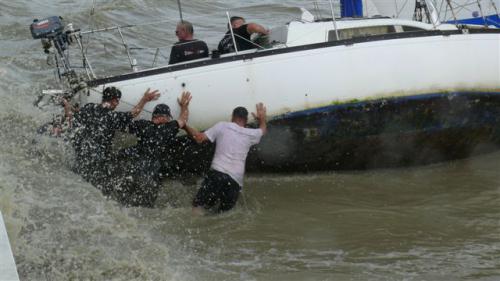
[
  {"x": 420, "y": 10},
  {"x": 180, "y": 9}
]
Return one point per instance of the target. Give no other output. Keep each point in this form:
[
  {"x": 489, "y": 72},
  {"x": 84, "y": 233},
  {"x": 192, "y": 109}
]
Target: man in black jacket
[
  {"x": 94, "y": 128},
  {"x": 144, "y": 162},
  {"x": 242, "y": 33},
  {"x": 187, "y": 48}
]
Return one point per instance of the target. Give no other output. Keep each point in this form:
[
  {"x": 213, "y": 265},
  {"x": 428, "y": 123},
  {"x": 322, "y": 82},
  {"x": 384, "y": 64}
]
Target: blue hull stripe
[
  {"x": 330, "y": 108},
  {"x": 490, "y": 20}
]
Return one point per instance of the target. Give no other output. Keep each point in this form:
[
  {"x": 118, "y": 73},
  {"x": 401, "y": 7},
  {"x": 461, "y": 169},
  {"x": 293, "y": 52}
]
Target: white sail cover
[{"x": 463, "y": 9}]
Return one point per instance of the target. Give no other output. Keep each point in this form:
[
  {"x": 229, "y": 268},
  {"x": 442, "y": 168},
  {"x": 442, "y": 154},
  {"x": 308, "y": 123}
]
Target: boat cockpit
[{"x": 297, "y": 33}]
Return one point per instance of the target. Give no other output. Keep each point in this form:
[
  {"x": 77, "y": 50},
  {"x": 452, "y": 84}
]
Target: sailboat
[
  {"x": 341, "y": 93},
  {"x": 471, "y": 12}
]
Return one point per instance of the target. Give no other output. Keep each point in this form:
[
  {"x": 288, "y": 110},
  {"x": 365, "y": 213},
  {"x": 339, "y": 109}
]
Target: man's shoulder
[
  {"x": 242, "y": 29},
  {"x": 173, "y": 124},
  {"x": 170, "y": 126},
  {"x": 90, "y": 109},
  {"x": 222, "y": 124},
  {"x": 246, "y": 131},
  {"x": 189, "y": 43},
  {"x": 199, "y": 44},
  {"x": 226, "y": 126},
  {"x": 89, "y": 106},
  {"x": 142, "y": 123}
]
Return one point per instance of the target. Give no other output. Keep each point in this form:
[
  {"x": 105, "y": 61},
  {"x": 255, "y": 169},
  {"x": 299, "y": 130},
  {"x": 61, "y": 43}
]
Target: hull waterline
[{"x": 396, "y": 132}]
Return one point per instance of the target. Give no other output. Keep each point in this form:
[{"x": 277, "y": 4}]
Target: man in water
[
  {"x": 146, "y": 159},
  {"x": 242, "y": 33},
  {"x": 187, "y": 48},
  {"x": 233, "y": 140},
  {"x": 94, "y": 129}
]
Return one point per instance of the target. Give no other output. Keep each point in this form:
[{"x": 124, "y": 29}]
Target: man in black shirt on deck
[
  {"x": 94, "y": 129},
  {"x": 146, "y": 159},
  {"x": 242, "y": 33},
  {"x": 187, "y": 48}
]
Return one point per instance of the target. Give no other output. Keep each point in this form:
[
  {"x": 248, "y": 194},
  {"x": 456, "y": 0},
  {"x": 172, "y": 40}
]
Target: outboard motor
[
  {"x": 46, "y": 28},
  {"x": 53, "y": 33},
  {"x": 50, "y": 31}
]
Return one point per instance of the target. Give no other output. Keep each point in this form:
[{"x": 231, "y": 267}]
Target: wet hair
[
  {"x": 240, "y": 112},
  {"x": 187, "y": 26},
  {"x": 111, "y": 93},
  {"x": 233, "y": 19},
  {"x": 161, "y": 109}
]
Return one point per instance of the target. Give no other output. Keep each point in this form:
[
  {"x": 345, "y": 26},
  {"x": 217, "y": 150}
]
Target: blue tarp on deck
[{"x": 351, "y": 8}]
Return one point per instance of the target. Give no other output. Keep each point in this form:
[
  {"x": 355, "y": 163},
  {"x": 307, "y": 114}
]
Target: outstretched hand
[
  {"x": 151, "y": 95},
  {"x": 185, "y": 99},
  {"x": 260, "y": 114}
]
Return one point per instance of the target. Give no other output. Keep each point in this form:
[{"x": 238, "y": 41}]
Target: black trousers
[{"x": 218, "y": 192}]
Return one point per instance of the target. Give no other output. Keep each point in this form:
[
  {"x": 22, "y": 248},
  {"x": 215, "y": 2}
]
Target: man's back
[
  {"x": 232, "y": 145},
  {"x": 242, "y": 38},
  {"x": 95, "y": 128},
  {"x": 188, "y": 50},
  {"x": 153, "y": 140}
]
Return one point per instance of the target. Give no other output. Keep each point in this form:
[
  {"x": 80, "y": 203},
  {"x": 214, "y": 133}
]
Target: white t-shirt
[{"x": 231, "y": 149}]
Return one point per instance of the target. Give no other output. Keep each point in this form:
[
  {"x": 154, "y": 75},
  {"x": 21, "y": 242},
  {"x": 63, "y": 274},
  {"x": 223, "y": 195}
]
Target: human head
[
  {"x": 111, "y": 96},
  {"x": 237, "y": 22},
  {"x": 184, "y": 30},
  {"x": 240, "y": 115},
  {"x": 161, "y": 114}
]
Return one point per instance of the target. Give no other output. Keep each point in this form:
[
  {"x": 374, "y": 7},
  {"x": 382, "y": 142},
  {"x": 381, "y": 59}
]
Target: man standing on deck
[
  {"x": 145, "y": 161},
  {"x": 242, "y": 33},
  {"x": 187, "y": 48},
  {"x": 94, "y": 129},
  {"x": 224, "y": 181}
]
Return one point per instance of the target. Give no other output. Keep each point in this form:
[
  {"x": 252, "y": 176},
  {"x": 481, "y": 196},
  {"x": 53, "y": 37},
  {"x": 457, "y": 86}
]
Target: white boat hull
[
  {"x": 381, "y": 101},
  {"x": 311, "y": 78}
]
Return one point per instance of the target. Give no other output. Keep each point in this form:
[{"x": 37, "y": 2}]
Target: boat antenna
[
  {"x": 92, "y": 11},
  {"x": 494, "y": 7},
  {"x": 318, "y": 11},
  {"x": 452, "y": 11},
  {"x": 180, "y": 9},
  {"x": 334, "y": 21},
  {"x": 431, "y": 13},
  {"x": 482, "y": 14}
]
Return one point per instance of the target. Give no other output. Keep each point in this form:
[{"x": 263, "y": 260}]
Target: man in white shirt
[{"x": 224, "y": 181}]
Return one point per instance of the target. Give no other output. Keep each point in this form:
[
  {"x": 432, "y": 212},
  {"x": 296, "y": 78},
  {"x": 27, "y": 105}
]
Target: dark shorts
[{"x": 217, "y": 188}]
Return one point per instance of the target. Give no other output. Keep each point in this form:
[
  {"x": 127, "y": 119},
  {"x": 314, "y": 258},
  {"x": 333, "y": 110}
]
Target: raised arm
[
  {"x": 68, "y": 112},
  {"x": 184, "y": 104},
  {"x": 198, "y": 136},
  {"x": 147, "y": 97},
  {"x": 257, "y": 28},
  {"x": 260, "y": 116}
]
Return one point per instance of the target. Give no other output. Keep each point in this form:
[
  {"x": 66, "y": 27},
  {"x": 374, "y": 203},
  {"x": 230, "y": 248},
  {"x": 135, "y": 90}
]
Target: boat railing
[
  {"x": 129, "y": 49},
  {"x": 158, "y": 51},
  {"x": 76, "y": 66}
]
